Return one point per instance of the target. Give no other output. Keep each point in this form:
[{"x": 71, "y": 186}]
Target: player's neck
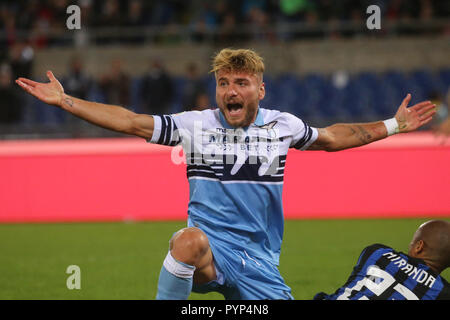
[
  {"x": 435, "y": 268},
  {"x": 434, "y": 265}
]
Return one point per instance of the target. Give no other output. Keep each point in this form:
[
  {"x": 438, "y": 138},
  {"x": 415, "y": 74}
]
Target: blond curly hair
[{"x": 238, "y": 60}]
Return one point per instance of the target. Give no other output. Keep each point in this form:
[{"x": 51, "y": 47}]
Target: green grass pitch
[{"x": 122, "y": 260}]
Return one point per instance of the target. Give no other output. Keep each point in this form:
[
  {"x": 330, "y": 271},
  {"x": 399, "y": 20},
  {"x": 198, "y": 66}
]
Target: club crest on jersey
[{"x": 269, "y": 127}]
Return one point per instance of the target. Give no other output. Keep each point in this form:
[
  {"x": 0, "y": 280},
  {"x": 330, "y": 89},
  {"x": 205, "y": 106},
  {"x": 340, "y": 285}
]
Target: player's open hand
[
  {"x": 409, "y": 119},
  {"x": 51, "y": 92}
]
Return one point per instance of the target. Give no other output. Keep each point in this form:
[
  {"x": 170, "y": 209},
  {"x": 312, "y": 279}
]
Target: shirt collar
[{"x": 259, "y": 121}]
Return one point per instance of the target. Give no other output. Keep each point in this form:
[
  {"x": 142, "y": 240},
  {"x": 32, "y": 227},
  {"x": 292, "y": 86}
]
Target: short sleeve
[
  {"x": 166, "y": 130},
  {"x": 302, "y": 134}
]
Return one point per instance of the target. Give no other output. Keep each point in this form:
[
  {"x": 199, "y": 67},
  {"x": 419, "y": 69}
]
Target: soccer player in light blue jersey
[{"x": 235, "y": 155}]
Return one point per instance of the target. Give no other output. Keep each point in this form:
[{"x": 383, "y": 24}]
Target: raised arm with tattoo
[
  {"x": 111, "y": 117},
  {"x": 350, "y": 135},
  {"x": 333, "y": 138}
]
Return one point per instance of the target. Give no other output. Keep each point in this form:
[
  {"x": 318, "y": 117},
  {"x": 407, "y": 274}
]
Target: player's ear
[
  {"x": 418, "y": 247},
  {"x": 262, "y": 91}
]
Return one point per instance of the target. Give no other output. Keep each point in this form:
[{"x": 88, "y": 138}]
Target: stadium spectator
[
  {"x": 39, "y": 35},
  {"x": 235, "y": 214},
  {"x": 156, "y": 89},
  {"x": 443, "y": 129},
  {"x": 8, "y": 24},
  {"x": 115, "y": 85},
  {"x": 135, "y": 14},
  {"x": 294, "y": 10},
  {"x": 228, "y": 33},
  {"x": 39, "y": 18},
  {"x": 10, "y": 101},
  {"x": 21, "y": 59},
  {"x": 162, "y": 12},
  {"x": 312, "y": 28},
  {"x": 202, "y": 102},
  {"x": 110, "y": 14},
  {"x": 223, "y": 8},
  {"x": 109, "y": 17},
  {"x": 77, "y": 82},
  {"x": 136, "y": 18},
  {"x": 203, "y": 20},
  {"x": 199, "y": 30},
  {"x": 260, "y": 29},
  {"x": 57, "y": 21},
  {"x": 27, "y": 14},
  {"x": 441, "y": 126},
  {"x": 193, "y": 87},
  {"x": 87, "y": 12},
  {"x": 382, "y": 273},
  {"x": 394, "y": 9}
]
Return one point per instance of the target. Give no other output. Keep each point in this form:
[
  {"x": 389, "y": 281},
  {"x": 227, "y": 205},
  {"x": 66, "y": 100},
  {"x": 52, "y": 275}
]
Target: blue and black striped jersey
[{"x": 382, "y": 273}]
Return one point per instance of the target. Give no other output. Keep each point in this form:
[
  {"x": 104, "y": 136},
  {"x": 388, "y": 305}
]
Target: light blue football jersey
[{"x": 236, "y": 175}]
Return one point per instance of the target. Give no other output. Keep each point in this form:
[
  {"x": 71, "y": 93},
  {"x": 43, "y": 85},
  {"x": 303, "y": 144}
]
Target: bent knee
[{"x": 189, "y": 245}]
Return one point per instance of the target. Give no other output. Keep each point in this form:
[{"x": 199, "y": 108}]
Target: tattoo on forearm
[
  {"x": 69, "y": 102},
  {"x": 362, "y": 134}
]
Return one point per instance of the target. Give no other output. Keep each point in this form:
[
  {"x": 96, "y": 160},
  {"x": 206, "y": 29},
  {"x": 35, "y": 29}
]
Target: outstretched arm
[
  {"x": 350, "y": 135},
  {"x": 111, "y": 117}
]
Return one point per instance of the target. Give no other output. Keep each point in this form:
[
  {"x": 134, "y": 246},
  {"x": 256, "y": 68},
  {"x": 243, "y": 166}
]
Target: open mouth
[{"x": 234, "y": 108}]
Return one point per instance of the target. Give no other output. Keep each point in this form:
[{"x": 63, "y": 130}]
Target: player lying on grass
[
  {"x": 235, "y": 156},
  {"x": 382, "y": 273}
]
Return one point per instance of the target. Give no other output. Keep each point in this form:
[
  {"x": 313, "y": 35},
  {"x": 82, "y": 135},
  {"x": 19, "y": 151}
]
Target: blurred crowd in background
[
  {"x": 30, "y": 25},
  {"x": 43, "y": 22}
]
